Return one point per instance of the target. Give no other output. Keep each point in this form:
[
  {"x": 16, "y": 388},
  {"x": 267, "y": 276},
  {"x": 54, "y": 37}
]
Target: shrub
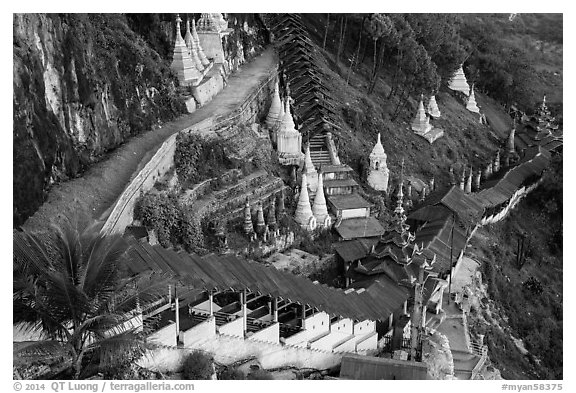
[
  {"x": 198, "y": 366},
  {"x": 260, "y": 375},
  {"x": 231, "y": 374}
]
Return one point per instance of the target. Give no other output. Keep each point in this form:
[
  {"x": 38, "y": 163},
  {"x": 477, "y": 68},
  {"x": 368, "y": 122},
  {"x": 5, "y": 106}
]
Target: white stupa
[
  {"x": 192, "y": 48},
  {"x": 421, "y": 124},
  {"x": 310, "y": 170},
  {"x": 471, "y": 103},
  {"x": 203, "y": 59},
  {"x": 303, "y": 214},
  {"x": 182, "y": 64},
  {"x": 433, "y": 109},
  {"x": 275, "y": 112},
  {"x": 378, "y": 173},
  {"x": 458, "y": 82},
  {"x": 289, "y": 139},
  {"x": 320, "y": 209}
]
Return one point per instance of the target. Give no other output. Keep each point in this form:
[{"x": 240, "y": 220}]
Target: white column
[
  {"x": 177, "y": 320},
  {"x": 244, "y": 310},
  {"x": 211, "y": 300}
]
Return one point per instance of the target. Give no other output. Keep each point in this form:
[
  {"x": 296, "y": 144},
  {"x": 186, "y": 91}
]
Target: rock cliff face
[{"x": 83, "y": 84}]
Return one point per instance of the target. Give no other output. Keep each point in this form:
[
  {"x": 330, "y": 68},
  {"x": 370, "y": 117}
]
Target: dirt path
[{"x": 98, "y": 188}]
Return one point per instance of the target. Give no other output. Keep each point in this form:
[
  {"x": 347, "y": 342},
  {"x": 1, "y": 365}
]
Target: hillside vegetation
[{"x": 511, "y": 63}]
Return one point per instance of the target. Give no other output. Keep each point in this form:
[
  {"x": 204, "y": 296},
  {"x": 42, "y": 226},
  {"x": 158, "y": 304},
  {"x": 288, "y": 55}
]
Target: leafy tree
[
  {"x": 71, "y": 289},
  {"x": 377, "y": 27}
]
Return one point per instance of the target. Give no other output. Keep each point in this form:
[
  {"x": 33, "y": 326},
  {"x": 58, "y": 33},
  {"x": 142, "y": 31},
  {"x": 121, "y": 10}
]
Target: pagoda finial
[
  {"x": 178, "y": 33},
  {"x": 400, "y": 196}
]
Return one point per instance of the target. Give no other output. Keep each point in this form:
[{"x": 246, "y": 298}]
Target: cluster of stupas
[
  {"x": 378, "y": 174},
  {"x": 459, "y": 83},
  {"x": 311, "y": 216},
  {"x": 263, "y": 229},
  {"x": 421, "y": 123},
  {"x": 189, "y": 61}
]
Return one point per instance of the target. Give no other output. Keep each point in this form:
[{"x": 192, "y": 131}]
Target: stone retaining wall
[
  {"x": 228, "y": 349},
  {"x": 122, "y": 213}
]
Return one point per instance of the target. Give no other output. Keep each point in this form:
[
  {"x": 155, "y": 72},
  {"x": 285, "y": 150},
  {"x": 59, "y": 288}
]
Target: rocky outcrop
[{"x": 83, "y": 84}]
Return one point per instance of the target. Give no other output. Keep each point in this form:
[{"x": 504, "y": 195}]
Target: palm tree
[{"x": 72, "y": 289}]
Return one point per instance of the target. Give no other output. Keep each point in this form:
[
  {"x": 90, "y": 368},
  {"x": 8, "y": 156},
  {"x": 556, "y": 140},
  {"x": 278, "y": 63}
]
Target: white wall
[
  {"x": 202, "y": 331},
  {"x": 164, "y": 336},
  {"x": 347, "y": 346},
  {"x": 319, "y": 322},
  {"x": 269, "y": 334},
  {"x": 234, "y": 328},
  {"x": 328, "y": 342},
  {"x": 353, "y": 213},
  {"x": 344, "y": 325},
  {"x": 122, "y": 213},
  {"x": 364, "y": 327},
  {"x": 367, "y": 343}
]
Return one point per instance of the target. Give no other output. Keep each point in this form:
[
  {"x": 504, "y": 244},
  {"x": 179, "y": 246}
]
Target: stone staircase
[
  {"x": 318, "y": 151},
  {"x": 464, "y": 364}
]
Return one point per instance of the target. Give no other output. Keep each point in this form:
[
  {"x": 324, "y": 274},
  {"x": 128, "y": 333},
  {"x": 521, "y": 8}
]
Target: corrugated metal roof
[
  {"x": 501, "y": 189},
  {"x": 454, "y": 199},
  {"x": 352, "y": 250},
  {"x": 348, "y": 201},
  {"x": 436, "y": 236},
  {"x": 231, "y": 272},
  {"x": 353, "y": 228}
]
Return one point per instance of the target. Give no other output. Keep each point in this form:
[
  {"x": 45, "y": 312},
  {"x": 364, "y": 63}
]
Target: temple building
[
  {"x": 539, "y": 130},
  {"x": 303, "y": 215},
  {"x": 182, "y": 63},
  {"x": 433, "y": 109},
  {"x": 458, "y": 82},
  {"x": 378, "y": 173},
  {"x": 471, "y": 102},
  {"x": 421, "y": 124},
  {"x": 399, "y": 264},
  {"x": 289, "y": 140}
]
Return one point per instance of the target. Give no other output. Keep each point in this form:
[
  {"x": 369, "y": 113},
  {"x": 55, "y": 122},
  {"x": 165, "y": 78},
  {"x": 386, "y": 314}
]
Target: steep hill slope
[
  {"x": 83, "y": 84},
  {"x": 466, "y": 142}
]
